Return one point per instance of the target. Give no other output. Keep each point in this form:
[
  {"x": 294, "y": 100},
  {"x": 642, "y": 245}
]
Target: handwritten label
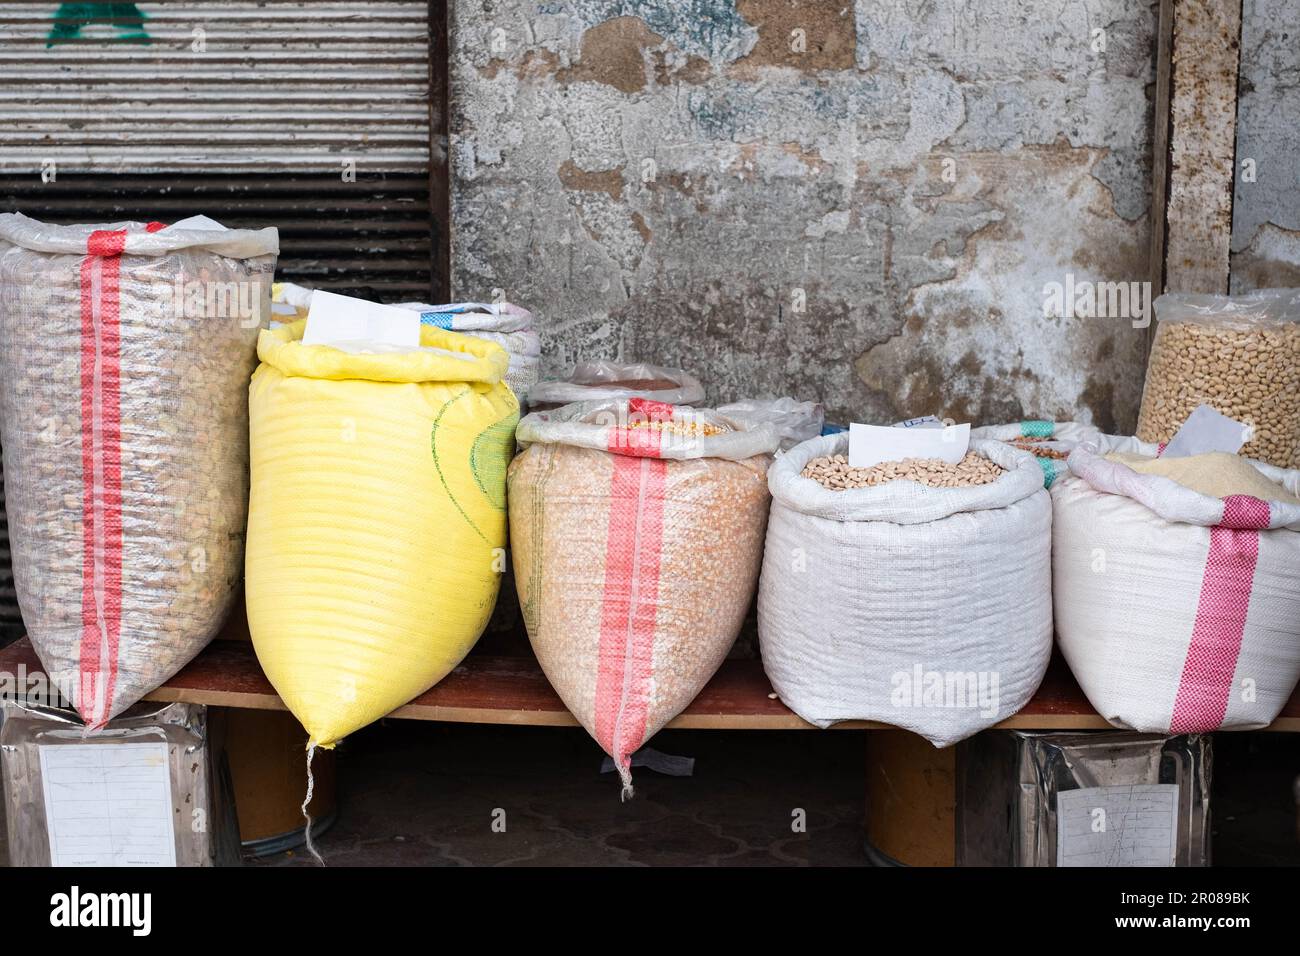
[
  {"x": 108, "y": 804},
  {"x": 1134, "y": 825}
]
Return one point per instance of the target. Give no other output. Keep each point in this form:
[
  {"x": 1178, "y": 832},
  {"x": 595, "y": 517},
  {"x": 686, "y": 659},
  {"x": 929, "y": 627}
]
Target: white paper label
[
  {"x": 1133, "y": 825},
  {"x": 871, "y": 444},
  {"x": 337, "y": 320},
  {"x": 1206, "y": 430},
  {"x": 108, "y": 804}
]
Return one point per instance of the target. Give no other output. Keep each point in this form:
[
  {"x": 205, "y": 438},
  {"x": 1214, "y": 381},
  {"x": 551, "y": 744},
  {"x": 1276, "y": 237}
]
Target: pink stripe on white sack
[{"x": 1212, "y": 654}]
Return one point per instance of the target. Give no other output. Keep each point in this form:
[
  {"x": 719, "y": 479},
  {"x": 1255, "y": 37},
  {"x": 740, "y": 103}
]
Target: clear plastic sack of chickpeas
[
  {"x": 125, "y": 354},
  {"x": 1239, "y": 354}
]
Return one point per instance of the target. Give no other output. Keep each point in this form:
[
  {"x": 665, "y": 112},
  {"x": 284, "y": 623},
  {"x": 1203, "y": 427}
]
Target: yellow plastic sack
[{"x": 377, "y": 519}]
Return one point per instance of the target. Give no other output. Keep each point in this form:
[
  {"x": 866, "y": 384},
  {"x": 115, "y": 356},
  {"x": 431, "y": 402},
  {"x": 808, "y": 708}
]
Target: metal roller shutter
[
  {"x": 247, "y": 111},
  {"x": 369, "y": 238}
]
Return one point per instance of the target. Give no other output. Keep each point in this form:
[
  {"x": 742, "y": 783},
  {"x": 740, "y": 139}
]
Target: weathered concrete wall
[
  {"x": 1266, "y": 204},
  {"x": 855, "y": 203}
]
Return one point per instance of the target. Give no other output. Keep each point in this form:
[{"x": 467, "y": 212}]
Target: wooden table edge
[{"x": 688, "y": 721}]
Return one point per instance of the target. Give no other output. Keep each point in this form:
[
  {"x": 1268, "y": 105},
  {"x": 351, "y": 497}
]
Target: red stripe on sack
[
  {"x": 155, "y": 226},
  {"x": 629, "y": 605},
  {"x": 1206, "y": 683},
  {"x": 654, "y": 411},
  {"x": 105, "y": 243},
  {"x": 635, "y": 442},
  {"x": 1160, "y": 448},
  {"x": 88, "y": 663},
  {"x": 101, "y": 461},
  {"x": 643, "y": 441}
]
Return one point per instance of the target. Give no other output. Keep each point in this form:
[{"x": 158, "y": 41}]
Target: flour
[{"x": 1217, "y": 474}]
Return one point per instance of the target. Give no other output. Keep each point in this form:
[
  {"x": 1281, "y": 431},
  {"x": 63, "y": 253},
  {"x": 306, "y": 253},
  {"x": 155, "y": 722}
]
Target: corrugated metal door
[{"x": 314, "y": 117}]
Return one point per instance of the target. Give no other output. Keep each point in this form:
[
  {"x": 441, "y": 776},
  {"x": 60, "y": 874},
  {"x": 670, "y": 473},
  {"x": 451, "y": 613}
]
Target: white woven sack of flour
[
  {"x": 1178, "y": 612},
  {"x": 926, "y": 608}
]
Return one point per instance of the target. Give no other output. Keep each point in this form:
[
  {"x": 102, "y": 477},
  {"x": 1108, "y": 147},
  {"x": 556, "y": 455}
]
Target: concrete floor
[
  {"x": 1255, "y": 815},
  {"x": 422, "y": 794},
  {"x": 426, "y": 795}
]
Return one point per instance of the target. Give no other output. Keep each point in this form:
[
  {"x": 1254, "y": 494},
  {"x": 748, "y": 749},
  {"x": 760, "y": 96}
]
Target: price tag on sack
[
  {"x": 871, "y": 444},
  {"x": 1207, "y": 430},
  {"x": 340, "y": 320}
]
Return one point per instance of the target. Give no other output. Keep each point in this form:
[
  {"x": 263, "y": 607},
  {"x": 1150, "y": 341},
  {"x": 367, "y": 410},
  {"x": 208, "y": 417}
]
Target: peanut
[{"x": 834, "y": 472}]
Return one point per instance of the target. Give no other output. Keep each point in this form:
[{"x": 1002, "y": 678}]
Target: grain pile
[
  {"x": 1040, "y": 448},
  {"x": 834, "y": 472},
  {"x": 1217, "y": 474},
  {"x": 1050, "y": 442},
  {"x": 679, "y": 430},
  {"x": 126, "y": 447},
  {"x": 1249, "y": 373}
]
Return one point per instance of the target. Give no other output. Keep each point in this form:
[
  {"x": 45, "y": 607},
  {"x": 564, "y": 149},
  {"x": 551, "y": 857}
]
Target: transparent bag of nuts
[
  {"x": 125, "y": 354},
  {"x": 1238, "y": 354}
]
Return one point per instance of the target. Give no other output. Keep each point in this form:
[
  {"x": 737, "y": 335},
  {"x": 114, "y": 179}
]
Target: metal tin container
[
  {"x": 150, "y": 789},
  {"x": 1083, "y": 799}
]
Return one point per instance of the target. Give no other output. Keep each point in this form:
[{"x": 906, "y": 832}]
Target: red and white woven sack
[
  {"x": 636, "y": 553},
  {"x": 1178, "y": 612},
  {"x": 125, "y": 352}
]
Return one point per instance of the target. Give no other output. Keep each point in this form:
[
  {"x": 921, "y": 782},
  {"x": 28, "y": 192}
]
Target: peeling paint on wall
[
  {"x": 1266, "y": 205},
  {"x": 859, "y": 204}
]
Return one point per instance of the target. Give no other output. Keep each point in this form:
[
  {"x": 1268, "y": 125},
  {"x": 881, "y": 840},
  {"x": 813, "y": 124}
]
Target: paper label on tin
[
  {"x": 108, "y": 804},
  {"x": 1134, "y": 825}
]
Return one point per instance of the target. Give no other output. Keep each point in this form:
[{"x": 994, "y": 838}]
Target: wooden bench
[{"x": 492, "y": 688}]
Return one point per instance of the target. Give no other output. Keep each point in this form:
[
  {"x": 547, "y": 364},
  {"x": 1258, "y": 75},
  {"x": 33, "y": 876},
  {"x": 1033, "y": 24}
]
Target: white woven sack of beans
[
  {"x": 1058, "y": 437},
  {"x": 926, "y": 608},
  {"x": 1178, "y": 612}
]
